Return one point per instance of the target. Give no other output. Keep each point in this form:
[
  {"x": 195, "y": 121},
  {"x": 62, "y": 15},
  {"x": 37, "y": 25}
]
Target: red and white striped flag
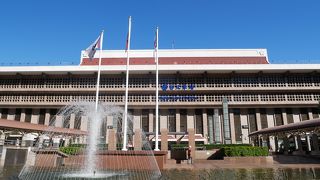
[{"x": 91, "y": 50}]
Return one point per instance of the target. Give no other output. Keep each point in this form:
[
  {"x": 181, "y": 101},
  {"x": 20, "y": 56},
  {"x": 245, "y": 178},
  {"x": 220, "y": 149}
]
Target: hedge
[
  {"x": 230, "y": 149},
  {"x": 209, "y": 146},
  {"x": 74, "y": 149},
  {"x": 245, "y": 151}
]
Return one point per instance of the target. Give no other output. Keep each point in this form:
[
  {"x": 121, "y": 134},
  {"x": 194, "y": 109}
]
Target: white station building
[{"x": 224, "y": 94}]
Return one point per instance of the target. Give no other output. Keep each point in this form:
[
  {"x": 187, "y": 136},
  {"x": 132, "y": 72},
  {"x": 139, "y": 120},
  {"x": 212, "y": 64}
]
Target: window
[
  {"x": 172, "y": 120},
  {"x": 145, "y": 120},
  {"x": 278, "y": 117},
  {"x": 198, "y": 121},
  {"x": 289, "y": 115},
  {"x": 4, "y": 113},
  {"x": 263, "y": 117},
  {"x": 237, "y": 125},
  {"x": 17, "y": 117},
  {"x": 42, "y": 116},
  {"x": 183, "y": 120},
  {"x": 252, "y": 120}
]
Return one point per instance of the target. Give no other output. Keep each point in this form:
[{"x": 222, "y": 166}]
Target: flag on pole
[
  {"x": 155, "y": 43},
  {"x": 127, "y": 42},
  {"x": 156, "y": 40},
  {"x": 91, "y": 50}
]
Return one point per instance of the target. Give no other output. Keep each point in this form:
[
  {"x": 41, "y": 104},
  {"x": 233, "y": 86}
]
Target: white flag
[{"x": 91, "y": 50}]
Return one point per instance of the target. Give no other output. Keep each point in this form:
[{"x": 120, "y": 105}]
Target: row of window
[
  {"x": 147, "y": 82},
  {"x": 163, "y": 98}
]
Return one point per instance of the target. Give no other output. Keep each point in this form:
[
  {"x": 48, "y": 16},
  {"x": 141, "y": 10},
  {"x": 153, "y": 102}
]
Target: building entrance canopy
[
  {"x": 29, "y": 127},
  {"x": 308, "y": 125}
]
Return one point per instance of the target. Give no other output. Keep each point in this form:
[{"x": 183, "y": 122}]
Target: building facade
[{"x": 223, "y": 94}]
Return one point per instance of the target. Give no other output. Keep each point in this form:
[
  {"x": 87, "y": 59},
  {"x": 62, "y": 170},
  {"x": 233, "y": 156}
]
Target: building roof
[
  {"x": 171, "y": 61},
  {"x": 179, "y": 56},
  {"x": 163, "y": 69}
]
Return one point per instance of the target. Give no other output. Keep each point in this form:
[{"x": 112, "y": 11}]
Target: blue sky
[{"x": 42, "y": 32}]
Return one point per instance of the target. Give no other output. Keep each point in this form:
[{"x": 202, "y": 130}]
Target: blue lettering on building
[{"x": 172, "y": 87}]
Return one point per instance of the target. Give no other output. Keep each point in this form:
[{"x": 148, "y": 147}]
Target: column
[
  {"x": 47, "y": 117},
  {"x": 190, "y": 118},
  {"x": 84, "y": 121},
  {"x": 270, "y": 121},
  {"x": 217, "y": 126},
  {"x": 59, "y": 121},
  {"x": 3, "y": 157},
  {"x": 244, "y": 126},
  {"x": 136, "y": 119},
  {"x": 112, "y": 140},
  {"x": 177, "y": 120},
  {"x": 11, "y": 114},
  {"x": 151, "y": 121},
  {"x": 226, "y": 122},
  {"x": 315, "y": 145},
  {"x": 210, "y": 129},
  {"x": 163, "y": 119},
  {"x": 2, "y": 139},
  {"x": 308, "y": 142},
  {"x": 35, "y": 116},
  {"x": 205, "y": 124},
  {"x": 258, "y": 118},
  {"x": 23, "y": 115},
  {"x": 296, "y": 115},
  {"x": 284, "y": 116},
  {"x": 164, "y": 139},
  {"x": 109, "y": 126},
  {"x": 310, "y": 115},
  {"x": 192, "y": 142},
  {"x": 72, "y": 119},
  {"x": 137, "y": 140},
  {"x": 298, "y": 145},
  {"x": 232, "y": 128}
]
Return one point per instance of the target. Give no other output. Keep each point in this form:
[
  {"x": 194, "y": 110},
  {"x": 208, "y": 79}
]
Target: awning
[
  {"x": 11, "y": 124},
  {"x": 293, "y": 127},
  {"x": 198, "y": 137},
  {"x": 171, "y": 138}
]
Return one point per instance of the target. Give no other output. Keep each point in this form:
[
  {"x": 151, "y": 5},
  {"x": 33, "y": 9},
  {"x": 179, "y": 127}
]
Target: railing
[{"x": 172, "y": 98}]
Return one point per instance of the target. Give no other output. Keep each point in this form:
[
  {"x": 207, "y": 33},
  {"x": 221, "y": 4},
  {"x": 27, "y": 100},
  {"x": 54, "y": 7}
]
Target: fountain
[{"x": 94, "y": 161}]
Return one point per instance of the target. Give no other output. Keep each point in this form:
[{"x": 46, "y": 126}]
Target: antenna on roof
[{"x": 172, "y": 44}]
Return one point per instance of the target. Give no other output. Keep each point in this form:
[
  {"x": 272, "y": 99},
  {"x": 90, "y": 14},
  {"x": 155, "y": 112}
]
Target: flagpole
[
  {"x": 157, "y": 93},
  {"x": 98, "y": 78},
  {"x": 124, "y": 146}
]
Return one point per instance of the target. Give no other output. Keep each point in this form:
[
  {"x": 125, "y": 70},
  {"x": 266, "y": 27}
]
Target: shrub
[
  {"x": 209, "y": 146},
  {"x": 246, "y": 151},
  {"x": 71, "y": 150},
  {"x": 78, "y": 145}
]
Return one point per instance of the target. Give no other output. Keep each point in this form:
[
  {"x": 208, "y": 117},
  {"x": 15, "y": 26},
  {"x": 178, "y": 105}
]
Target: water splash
[{"x": 88, "y": 164}]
